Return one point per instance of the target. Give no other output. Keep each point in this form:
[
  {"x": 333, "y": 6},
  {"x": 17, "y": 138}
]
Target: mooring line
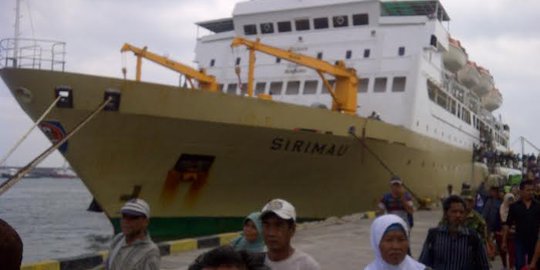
[
  {"x": 383, "y": 164},
  {"x": 30, "y": 130},
  {"x": 24, "y": 170}
]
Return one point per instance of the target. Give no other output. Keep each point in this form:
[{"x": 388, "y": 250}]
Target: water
[{"x": 51, "y": 218}]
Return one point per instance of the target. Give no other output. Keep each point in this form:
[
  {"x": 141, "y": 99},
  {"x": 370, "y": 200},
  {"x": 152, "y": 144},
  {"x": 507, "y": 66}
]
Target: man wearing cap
[
  {"x": 473, "y": 219},
  {"x": 397, "y": 201},
  {"x": 279, "y": 225},
  {"x": 133, "y": 248}
]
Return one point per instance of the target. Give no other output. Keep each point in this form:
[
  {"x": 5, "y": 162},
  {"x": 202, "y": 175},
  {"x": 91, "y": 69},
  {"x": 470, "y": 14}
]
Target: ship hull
[{"x": 205, "y": 160}]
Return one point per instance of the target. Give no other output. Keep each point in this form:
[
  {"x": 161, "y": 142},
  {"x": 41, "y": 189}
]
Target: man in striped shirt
[
  {"x": 132, "y": 248},
  {"x": 453, "y": 246}
]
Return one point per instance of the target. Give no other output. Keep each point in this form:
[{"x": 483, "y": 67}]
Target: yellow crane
[
  {"x": 206, "y": 82},
  {"x": 346, "y": 80}
]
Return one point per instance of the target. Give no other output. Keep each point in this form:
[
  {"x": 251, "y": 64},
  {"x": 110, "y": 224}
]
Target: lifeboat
[
  {"x": 485, "y": 84},
  {"x": 469, "y": 75},
  {"x": 492, "y": 100},
  {"x": 456, "y": 57}
]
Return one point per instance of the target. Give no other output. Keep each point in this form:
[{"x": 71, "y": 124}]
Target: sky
[{"x": 501, "y": 35}]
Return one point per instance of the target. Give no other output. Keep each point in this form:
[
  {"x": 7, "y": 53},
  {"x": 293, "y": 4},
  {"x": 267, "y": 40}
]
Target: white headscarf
[
  {"x": 505, "y": 206},
  {"x": 378, "y": 228}
]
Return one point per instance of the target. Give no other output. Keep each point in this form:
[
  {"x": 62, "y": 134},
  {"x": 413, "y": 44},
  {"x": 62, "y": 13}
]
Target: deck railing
[{"x": 32, "y": 54}]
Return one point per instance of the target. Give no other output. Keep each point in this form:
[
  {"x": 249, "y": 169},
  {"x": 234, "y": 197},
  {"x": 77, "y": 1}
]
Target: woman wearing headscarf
[
  {"x": 390, "y": 241},
  {"x": 251, "y": 238},
  {"x": 508, "y": 262}
]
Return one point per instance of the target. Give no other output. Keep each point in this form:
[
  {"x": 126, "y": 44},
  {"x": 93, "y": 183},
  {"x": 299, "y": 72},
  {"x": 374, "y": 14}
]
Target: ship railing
[{"x": 32, "y": 53}]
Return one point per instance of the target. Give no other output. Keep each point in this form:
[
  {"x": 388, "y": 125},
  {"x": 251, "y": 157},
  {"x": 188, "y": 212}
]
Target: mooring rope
[
  {"x": 30, "y": 130},
  {"x": 24, "y": 170},
  {"x": 383, "y": 164}
]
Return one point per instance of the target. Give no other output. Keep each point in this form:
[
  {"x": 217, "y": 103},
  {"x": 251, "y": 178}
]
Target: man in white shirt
[{"x": 279, "y": 225}]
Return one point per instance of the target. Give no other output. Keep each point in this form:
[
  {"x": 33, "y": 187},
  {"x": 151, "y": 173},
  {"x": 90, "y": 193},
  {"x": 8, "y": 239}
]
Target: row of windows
[
  {"x": 348, "y": 55},
  {"x": 306, "y": 24},
  {"x": 311, "y": 87},
  {"x": 448, "y": 103}
]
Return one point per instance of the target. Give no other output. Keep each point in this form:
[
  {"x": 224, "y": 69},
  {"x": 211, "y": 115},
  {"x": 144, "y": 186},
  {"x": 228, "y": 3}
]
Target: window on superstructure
[
  {"x": 284, "y": 27},
  {"x": 243, "y": 89},
  {"x": 380, "y": 85},
  {"x": 250, "y": 29},
  {"x": 398, "y": 85},
  {"x": 302, "y": 25},
  {"x": 238, "y": 60},
  {"x": 293, "y": 88},
  {"x": 275, "y": 88},
  {"x": 433, "y": 41},
  {"x": 367, "y": 52},
  {"x": 340, "y": 21},
  {"x": 319, "y": 55},
  {"x": 363, "y": 85},
  {"x": 260, "y": 87},
  {"x": 348, "y": 54},
  {"x": 442, "y": 99},
  {"x": 325, "y": 90},
  {"x": 360, "y": 19},
  {"x": 310, "y": 87},
  {"x": 212, "y": 62},
  {"x": 220, "y": 87},
  {"x": 231, "y": 88},
  {"x": 278, "y": 60},
  {"x": 401, "y": 51},
  {"x": 452, "y": 106},
  {"x": 320, "y": 23},
  {"x": 267, "y": 28}
]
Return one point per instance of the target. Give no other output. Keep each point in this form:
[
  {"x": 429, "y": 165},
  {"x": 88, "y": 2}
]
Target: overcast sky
[{"x": 501, "y": 35}]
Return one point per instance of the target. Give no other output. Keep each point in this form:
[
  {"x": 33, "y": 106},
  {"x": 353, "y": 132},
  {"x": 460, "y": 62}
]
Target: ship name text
[{"x": 308, "y": 147}]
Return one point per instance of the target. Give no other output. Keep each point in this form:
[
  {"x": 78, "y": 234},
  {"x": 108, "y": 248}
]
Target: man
[
  {"x": 491, "y": 215},
  {"x": 473, "y": 220},
  {"x": 226, "y": 258},
  {"x": 133, "y": 248},
  {"x": 279, "y": 225},
  {"x": 11, "y": 247},
  {"x": 451, "y": 245},
  {"x": 397, "y": 201},
  {"x": 525, "y": 215}
]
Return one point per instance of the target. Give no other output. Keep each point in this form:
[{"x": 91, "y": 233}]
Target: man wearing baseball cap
[
  {"x": 398, "y": 201},
  {"x": 133, "y": 248},
  {"x": 279, "y": 225}
]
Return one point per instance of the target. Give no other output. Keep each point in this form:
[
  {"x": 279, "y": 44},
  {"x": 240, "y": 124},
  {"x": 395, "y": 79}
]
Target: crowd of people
[{"x": 476, "y": 226}]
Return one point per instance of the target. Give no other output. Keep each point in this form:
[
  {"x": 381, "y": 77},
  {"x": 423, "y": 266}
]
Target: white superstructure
[{"x": 397, "y": 47}]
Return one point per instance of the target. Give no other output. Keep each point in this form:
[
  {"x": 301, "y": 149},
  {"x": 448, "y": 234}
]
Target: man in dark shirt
[
  {"x": 525, "y": 215},
  {"x": 451, "y": 245}
]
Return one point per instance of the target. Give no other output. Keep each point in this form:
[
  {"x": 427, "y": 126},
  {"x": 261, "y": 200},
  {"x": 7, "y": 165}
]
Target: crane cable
[
  {"x": 30, "y": 130},
  {"x": 5, "y": 186}
]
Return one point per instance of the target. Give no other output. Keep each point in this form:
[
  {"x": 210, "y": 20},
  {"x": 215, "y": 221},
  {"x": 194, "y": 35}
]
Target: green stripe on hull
[{"x": 162, "y": 229}]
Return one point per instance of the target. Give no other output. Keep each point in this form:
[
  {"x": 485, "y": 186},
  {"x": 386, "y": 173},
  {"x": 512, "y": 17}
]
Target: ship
[{"x": 203, "y": 159}]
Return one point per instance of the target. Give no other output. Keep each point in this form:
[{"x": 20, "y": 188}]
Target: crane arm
[
  {"x": 206, "y": 82},
  {"x": 337, "y": 70},
  {"x": 345, "y": 90}
]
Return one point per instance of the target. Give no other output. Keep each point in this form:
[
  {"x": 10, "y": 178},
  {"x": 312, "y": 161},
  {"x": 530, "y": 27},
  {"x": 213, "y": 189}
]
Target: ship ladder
[
  {"x": 5, "y": 186},
  {"x": 30, "y": 130},
  {"x": 423, "y": 203}
]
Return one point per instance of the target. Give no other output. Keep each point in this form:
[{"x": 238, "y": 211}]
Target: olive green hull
[{"x": 258, "y": 150}]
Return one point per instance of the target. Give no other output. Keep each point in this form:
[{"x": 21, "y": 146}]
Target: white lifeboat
[
  {"x": 492, "y": 100},
  {"x": 456, "y": 57},
  {"x": 469, "y": 75},
  {"x": 485, "y": 84}
]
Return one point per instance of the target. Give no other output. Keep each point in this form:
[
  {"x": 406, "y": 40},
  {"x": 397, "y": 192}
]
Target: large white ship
[{"x": 203, "y": 159}]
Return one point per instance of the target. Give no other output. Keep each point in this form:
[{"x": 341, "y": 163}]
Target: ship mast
[{"x": 17, "y": 32}]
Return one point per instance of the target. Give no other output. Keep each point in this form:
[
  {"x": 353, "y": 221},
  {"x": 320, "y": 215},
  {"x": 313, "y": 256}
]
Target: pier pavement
[{"x": 336, "y": 243}]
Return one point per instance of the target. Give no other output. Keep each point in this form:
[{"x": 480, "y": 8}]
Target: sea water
[{"x": 50, "y": 216}]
